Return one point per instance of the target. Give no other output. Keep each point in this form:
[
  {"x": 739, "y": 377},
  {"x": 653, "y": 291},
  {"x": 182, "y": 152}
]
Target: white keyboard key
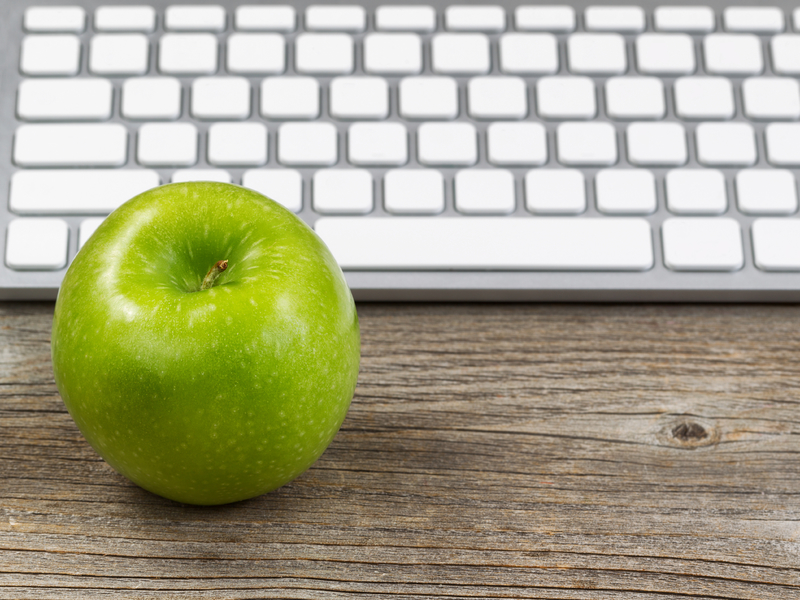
[
  {"x": 256, "y": 53},
  {"x": 422, "y": 243},
  {"x": 626, "y": 191},
  {"x": 428, "y": 98},
  {"x": 484, "y": 191},
  {"x": 285, "y": 186},
  {"x": 125, "y": 18},
  {"x": 57, "y": 54},
  {"x": 766, "y": 192},
  {"x": 545, "y": 18},
  {"x": 64, "y": 99},
  {"x": 220, "y": 98},
  {"x": 635, "y": 98},
  {"x": 785, "y": 50},
  {"x": 566, "y": 98},
  {"x": 186, "y": 175},
  {"x": 755, "y": 19},
  {"x": 265, "y": 18},
  {"x": 151, "y": 98},
  {"x": 413, "y": 191},
  {"x": 71, "y": 145},
  {"x": 528, "y": 53},
  {"x": 776, "y": 244},
  {"x": 52, "y": 19},
  {"x": 188, "y": 54},
  {"x": 516, "y": 144},
  {"x": 692, "y": 19},
  {"x": 37, "y": 244},
  {"x": 783, "y": 144},
  {"x": 665, "y": 53},
  {"x": 475, "y": 18},
  {"x": 657, "y": 144},
  {"x": 702, "y": 244},
  {"x": 447, "y": 144},
  {"x": 359, "y": 98},
  {"x": 461, "y": 53},
  {"x": 586, "y": 144},
  {"x": 324, "y": 53},
  {"x": 796, "y": 18},
  {"x": 704, "y": 98},
  {"x": 87, "y": 229},
  {"x": 726, "y": 144},
  {"x": 629, "y": 19},
  {"x": 342, "y": 191},
  {"x": 237, "y": 144},
  {"x": 393, "y": 53},
  {"x": 596, "y": 53},
  {"x": 76, "y": 191},
  {"x": 119, "y": 54},
  {"x": 696, "y": 192},
  {"x": 336, "y": 18},
  {"x": 555, "y": 191},
  {"x": 167, "y": 145},
  {"x": 497, "y": 98},
  {"x": 771, "y": 98},
  {"x": 313, "y": 144},
  {"x": 194, "y": 18},
  {"x": 370, "y": 144},
  {"x": 405, "y": 18},
  {"x": 290, "y": 98},
  {"x": 733, "y": 54}
]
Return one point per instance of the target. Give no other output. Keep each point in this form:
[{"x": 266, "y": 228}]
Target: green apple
[{"x": 202, "y": 383}]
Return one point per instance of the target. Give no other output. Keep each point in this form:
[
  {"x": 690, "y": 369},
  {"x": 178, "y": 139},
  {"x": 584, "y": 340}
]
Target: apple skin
[{"x": 206, "y": 396}]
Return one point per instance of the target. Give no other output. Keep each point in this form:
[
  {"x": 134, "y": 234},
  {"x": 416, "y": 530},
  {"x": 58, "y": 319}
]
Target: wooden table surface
[{"x": 491, "y": 451}]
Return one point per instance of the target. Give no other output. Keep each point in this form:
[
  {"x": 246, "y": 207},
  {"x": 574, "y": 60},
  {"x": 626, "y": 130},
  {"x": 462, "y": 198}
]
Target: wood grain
[{"x": 491, "y": 451}]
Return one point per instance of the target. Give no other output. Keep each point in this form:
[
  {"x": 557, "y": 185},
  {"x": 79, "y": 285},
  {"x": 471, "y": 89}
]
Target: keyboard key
[
  {"x": 53, "y": 19},
  {"x": 336, "y": 18},
  {"x": 220, "y": 98},
  {"x": 447, "y": 144},
  {"x": 265, "y": 18},
  {"x": 796, "y": 18},
  {"x": 413, "y": 191},
  {"x": 702, "y": 244},
  {"x": 626, "y": 191},
  {"x": 57, "y": 54},
  {"x": 342, "y": 191},
  {"x": 755, "y": 19},
  {"x": 290, "y": 98},
  {"x": 370, "y": 144},
  {"x": 405, "y": 18},
  {"x": 771, "y": 98},
  {"x": 596, "y": 53},
  {"x": 635, "y": 98},
  {"x": 484, "y": 191},
  {"x": 629, "y": 19},
  {"x": 657, "y": 144},
  {"x": 256, "y": 53},
  {"x": 188, "y": 54},
  {"x": 475, "y": 18},
  {"x": 696, "y": 192},
  {"x": 726, "y": 144},
  {"x": 555, "y": 191},
  {"x": 167, "y": 145},
  {"x": 237, "y": 144},
  {"x": 149, "y": 98},
  {"x": 285, "y": 186},
  {"x": 733, "y": 54},
  {"x": 393, "y": 53},
  {"x": 516, "y": 144},
  {"x": 76, "y": 191},
  {"x": 783, "y": 144},
  {"x": 312, "y": 144},
  {"x": 785, "y": 50},
  {"x": 704, "y": 98},
  {"x": 460, "y": 53},
  {"x": 422, "y": 243},
  {"x": 497, "y": 98},
  {"x": 194, "y": 18},
  {"x": 766, "y": 192},
  {"x": 586, "y": 144},
  {"x": 71, "y": 145},
  {"x": 324, "y": 53},
  {"x": 528, "y": 53},
  {"x": 64, "y": 99},
  {"x": 545, "y": 18},
  {"x": 87, "y": 228},
  {"x": 566, "y": 98},
  {"x": 665, "y": 53},
  {"x": 185, "y": 175},
  {"x": 428, "y": 98},
  {"x": 692, "y": 19},
  {"x": 125, "y": 18},
  {"x": 37, "y": 244},
  {"x": 119, "y": 54},
  {"x": 776, "y": 244},
  {"x": 359, "y": 98}
]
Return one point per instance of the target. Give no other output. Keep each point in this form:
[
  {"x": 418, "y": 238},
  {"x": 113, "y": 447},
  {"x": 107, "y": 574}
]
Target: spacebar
[{"x": 482, "y": 243}]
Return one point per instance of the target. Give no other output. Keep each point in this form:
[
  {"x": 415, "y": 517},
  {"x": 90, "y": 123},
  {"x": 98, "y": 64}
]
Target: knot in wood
[{"x": 689, "y": 432}]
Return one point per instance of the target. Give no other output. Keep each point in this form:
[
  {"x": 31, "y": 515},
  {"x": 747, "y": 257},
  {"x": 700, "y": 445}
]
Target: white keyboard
[{"x": 442, "y": 151}]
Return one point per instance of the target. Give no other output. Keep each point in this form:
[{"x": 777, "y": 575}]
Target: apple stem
[{"x": 213, "y": 273}]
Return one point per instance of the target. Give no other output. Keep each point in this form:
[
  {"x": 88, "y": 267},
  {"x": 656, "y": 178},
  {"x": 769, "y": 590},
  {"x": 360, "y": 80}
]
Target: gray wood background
[{"x": 491, "y": 451}]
